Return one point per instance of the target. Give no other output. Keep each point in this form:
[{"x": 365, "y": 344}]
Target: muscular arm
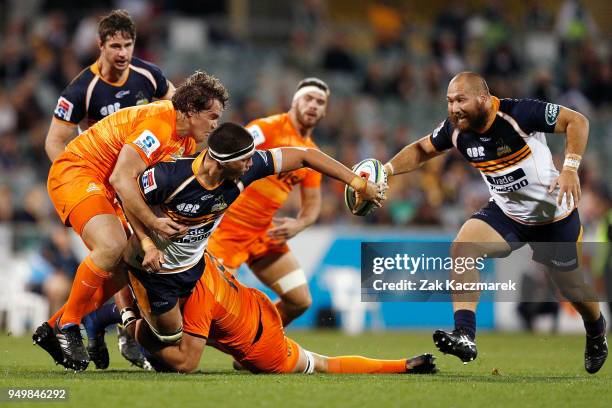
[
  {"x": 59, "y": 132},
  {"x": 311, "y": 206},
  {"x": 576, "y": 126},
  {"x": 183, "y": 357},
  {"x": 413, "y": 156},
  {"x": 297, "y": 157},
  {"x": 124, "y": 180}
]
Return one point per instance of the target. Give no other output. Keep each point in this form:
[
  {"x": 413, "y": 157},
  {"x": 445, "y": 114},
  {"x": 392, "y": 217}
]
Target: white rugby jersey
[{"x": 513, "y": 158}]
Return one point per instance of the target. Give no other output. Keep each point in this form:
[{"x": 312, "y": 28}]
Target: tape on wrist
[
  {"x": 572, "y": 161},
  {"x": 358, "y": 184},
  {"x": 147, "y": 243}
]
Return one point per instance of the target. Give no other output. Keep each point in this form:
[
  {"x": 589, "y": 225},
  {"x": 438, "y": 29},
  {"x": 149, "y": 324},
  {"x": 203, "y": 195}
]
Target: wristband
[
  {"x": 147, "y": 243},
  {"x": 358, "y": 184},
  {"x": 572, "y": 161}
]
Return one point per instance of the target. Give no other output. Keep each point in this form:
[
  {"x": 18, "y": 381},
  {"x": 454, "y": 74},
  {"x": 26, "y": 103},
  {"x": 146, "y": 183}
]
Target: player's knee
[
  {"x": 112, "y": 249},
  {"x": 292, "y": 285}
]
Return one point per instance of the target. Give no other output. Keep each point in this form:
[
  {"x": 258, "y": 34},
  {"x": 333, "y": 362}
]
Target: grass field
[{"x": 511, "y": 369}]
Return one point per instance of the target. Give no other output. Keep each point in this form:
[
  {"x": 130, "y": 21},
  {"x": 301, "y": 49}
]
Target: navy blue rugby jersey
[
  {"x": 513, "y": 158},
  {"x": 172, "y": 190},
  {"x": 89, "y": 98}
]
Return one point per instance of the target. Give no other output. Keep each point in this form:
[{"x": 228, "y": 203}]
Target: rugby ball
[{"x": 374, "y": 171}]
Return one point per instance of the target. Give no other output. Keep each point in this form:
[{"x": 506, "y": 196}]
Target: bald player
[{"x": 530, "y": 200}]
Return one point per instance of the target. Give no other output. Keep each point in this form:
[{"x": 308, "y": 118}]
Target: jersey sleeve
[
  {"x": 312, "y": 179},
  {"x": 535, "y": 116},
  {"x": 441, "y": 137},
  {"x": 70, "y": 106},
  {"x": 149, "y": 140},
  {"x": 155, "y": 183},
  {"x": 160, "y": 80},
  {"x": 264, "y": 165}
]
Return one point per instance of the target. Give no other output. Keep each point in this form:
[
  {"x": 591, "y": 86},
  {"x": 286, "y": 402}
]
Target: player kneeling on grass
[
  {"x": 196, "y": 191},
  {"x": 244, "y": 323}
]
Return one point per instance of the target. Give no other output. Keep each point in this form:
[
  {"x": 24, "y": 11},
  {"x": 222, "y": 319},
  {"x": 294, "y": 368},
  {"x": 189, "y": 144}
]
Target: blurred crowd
[{"x": 388, "y": 69}]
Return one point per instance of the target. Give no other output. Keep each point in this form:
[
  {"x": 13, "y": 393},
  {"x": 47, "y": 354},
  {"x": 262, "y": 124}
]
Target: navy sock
[
  {"x": 96, "y": 321},
  {"x": 596, "y": 328},
  {"x": 466, "y": 320}
]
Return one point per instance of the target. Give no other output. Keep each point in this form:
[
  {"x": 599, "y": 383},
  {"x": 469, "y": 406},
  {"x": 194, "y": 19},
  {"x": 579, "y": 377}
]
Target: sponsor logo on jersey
[
  {"x": 263, "y": 155},
  {"x": 475, "y": 152},
  {"x": 93, "y": 187},
  {"x": 551, "y": 113},
  {"x": 513, "y": 181},
  {"x": 437, "y": 130},
  {"x": 121, "y": 94},
  {"x": 257, "y": 133},
  {"x": 148, "y": 181},
  {"x": 485, "y": 139},
  {"x": 63, "y": 110},
  {"x": 207, "y": 197},
  {"x": 147, "y": 142}
]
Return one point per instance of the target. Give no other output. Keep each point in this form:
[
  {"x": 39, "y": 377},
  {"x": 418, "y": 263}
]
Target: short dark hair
[
  {"x": 198, "y": 92},
  {"x": 312, "y": 81},
  {"x": 117, "y": 21},
  {"x": 229, "y": 138}
]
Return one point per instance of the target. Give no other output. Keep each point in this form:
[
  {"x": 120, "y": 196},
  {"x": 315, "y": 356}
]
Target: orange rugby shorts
[
  {"x": 234, "y": 245},
  {"x": 78, "y": 194}
]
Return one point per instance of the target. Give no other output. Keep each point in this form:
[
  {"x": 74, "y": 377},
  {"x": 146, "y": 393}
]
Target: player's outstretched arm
[
  {"x": 124, "y": 180},
  {"x": 412, "y": 156},
  {"x": 294, "y": 158},
  {"x": 576, "y": 127},
  {"x": 59, "y": 132}
]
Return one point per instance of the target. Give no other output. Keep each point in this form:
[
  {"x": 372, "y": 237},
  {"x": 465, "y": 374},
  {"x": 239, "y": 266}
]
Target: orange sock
[
  {"x": 102, "y": 294},
  {"x": 363, "y": 365},
  {"x": 86, "y": 282},
  {"x": 53, "y": 319}
]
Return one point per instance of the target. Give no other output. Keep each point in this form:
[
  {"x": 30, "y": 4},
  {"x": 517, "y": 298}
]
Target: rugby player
[
  {"x": 244, "y": 323},
  {"x": 105, "y": 160},
  {"x": 197, "y": 191},
  {"x": 116, "y": 80},
  {"x": 249, "y": 232},
  {"x": 530, "y": 200}
]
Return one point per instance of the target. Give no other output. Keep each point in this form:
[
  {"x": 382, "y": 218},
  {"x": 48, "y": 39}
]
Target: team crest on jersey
[
  {"x": 148, "y": 180},
  {"x": 503, "y": 150},
  {"x": 141, "y": 99},
  {"x": 63, "y": 110},
  {"x": 147, "y": 142},
  {"x": 178, "y": 155},
  {"x": 551, "y": 113},
  {"x": 437, "y": 130},
  {"x": 219, "y": 204}
]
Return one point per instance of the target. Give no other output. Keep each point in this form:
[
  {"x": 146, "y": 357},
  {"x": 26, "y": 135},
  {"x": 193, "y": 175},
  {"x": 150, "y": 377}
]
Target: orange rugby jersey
[
  {"x": 150, "y": 129},
  {"x": 257, "y": 205},
  {"x": 223, "y": 309}
]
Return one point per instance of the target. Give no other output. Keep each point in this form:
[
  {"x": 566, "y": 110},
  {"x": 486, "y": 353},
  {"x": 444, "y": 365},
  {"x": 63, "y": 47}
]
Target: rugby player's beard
[
  {"x": 302, "y": 119},
  {"x": 476, "y": 121}
]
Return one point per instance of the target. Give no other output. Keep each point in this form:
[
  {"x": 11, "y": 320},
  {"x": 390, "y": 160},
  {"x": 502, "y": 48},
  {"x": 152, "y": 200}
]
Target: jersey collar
[
  {"x": 195, "y": 167},
  {"x": 495, "y": 106}
]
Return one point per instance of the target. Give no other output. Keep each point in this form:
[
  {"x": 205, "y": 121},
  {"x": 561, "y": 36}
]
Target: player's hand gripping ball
[{"x": 374, "y": 171}]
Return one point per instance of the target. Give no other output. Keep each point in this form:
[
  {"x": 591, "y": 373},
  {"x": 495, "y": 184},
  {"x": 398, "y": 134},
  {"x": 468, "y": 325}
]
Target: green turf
[{"x": 529, "y": 371}]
